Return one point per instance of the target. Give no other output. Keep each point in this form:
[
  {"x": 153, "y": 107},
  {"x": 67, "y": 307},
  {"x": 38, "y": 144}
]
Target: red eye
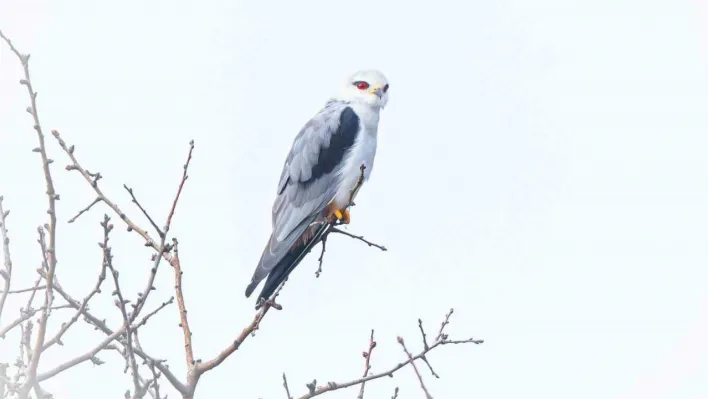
[
  {"x": 361, "y": 85},
  {"x": 386, "y": 88}
]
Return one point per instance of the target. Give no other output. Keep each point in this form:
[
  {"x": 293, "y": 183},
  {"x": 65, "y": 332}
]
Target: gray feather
[{"x": 308, "y": 181}]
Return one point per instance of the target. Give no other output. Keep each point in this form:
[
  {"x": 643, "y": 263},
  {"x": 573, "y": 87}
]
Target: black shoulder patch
[{"x": 342, "y": 140}]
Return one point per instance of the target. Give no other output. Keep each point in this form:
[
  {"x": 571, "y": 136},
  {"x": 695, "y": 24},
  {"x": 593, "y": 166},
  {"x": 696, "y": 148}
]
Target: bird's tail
[{"x": 285, "y": 266}]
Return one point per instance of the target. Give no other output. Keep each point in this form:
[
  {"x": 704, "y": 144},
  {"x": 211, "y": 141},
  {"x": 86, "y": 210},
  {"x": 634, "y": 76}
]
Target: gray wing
[{"x": 308, "y": 181}]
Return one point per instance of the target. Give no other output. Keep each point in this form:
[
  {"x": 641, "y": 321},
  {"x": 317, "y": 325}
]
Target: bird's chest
[{"x": 361, "y": 155}]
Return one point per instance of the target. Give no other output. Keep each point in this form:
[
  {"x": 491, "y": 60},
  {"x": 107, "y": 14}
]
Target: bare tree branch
[
  {"x": 84, "y": 304},
  {"x": 360, "y": 238},
  {"x": 321, "y": 258},
  {"x": 185, "y": 168},
  {"x": 82, "y": 358},
  {"x": 367, "y": 365},
  {"x": 101, "y": 325},
  {"x": 26, "y": 290},
  {"x": 52, "y": 197},
  {"x": 184, "y": 322},
  {"x": 425, "y": 345},
  {"x": 147, "y": 215},
  {"x": 81, "y": 212},
  {"x": 4, "y": 381},
  {"x": 125, "y": 339},
  {"x": 444, "y": 324},
  {"x": 154, "y": 312},
  {"x": 285, "y": 385},
  {"x": 6, "y": 273},
  {"x": 120, "y": 303},
  {"x": 415, "y": 368},
  {"x": 26, "y": 314},
  {"x": 333, "y": 386}
]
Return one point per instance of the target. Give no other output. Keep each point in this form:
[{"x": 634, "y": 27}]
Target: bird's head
[{"x": 369, "y": 87}]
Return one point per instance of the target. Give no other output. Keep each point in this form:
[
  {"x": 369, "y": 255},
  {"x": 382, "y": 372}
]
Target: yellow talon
[
  {"x": 338, "y": 215},
  {"x": 345, "y": 218}
]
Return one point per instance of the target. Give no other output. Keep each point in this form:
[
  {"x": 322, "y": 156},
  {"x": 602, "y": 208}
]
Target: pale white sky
[{"x": 541, "y": 168}]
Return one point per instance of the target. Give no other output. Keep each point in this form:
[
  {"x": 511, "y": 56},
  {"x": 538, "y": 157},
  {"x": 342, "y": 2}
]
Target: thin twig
[
  {"x": 357, "y": 186},
  {"x": 367, "y": 365},
  {"x": 422, "y": 332},
  {"x": 147, "y": 215},
  {"x": 360, "y": 238},
  {"x": 6, "y": 273},
  {"x": 154, "y": 312},
  {"x": 285, "y": 385},
  {"x": 185, "y": 176},
  {"x": 443, "y": 324},
  {"x": 395, "y": 393},
  {"x": 25, "y": 340},
  {"x": 425, "y": 345},
  {"x": 25, "y": 314},
  {"x": 155, "y": 377},
  {"x": 4, "y": 381},
  {"x": 321, "y": 258},
  {"x": 108, "y": 261},
  {"x": 415, "y": 368},
  {"x": 26, "y": 290},
  {"x": 30, "y": 300},
  {"x": 81, "y": 212}
]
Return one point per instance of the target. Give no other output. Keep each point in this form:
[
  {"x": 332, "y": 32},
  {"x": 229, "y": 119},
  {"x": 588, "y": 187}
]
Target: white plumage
[{"x": 362, "y": 153}]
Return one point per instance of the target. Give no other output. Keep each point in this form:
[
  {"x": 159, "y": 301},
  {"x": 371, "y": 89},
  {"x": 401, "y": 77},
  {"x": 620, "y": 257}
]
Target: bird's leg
[{"x": 334, "y": 214}]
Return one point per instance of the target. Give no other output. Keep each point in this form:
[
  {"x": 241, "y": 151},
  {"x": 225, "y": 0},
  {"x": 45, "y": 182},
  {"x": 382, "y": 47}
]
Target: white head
[{"x": 368, "y": 87}]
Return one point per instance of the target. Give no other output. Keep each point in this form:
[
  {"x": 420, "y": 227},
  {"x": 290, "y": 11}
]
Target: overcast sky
[{"x": 541, "y": 168}]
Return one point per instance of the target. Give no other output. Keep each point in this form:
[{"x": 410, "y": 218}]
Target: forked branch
[{"x": 441, "y": 341}]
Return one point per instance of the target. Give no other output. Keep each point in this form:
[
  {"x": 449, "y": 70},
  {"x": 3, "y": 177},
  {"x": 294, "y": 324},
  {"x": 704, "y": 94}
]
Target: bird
[{"x": 331, "y": 157}]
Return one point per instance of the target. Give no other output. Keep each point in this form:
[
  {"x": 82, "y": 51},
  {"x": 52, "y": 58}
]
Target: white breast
[{"x": 362, "y": 153}]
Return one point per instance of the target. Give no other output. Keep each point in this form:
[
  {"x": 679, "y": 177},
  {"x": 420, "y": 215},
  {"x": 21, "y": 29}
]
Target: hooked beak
[{"x": 377, "y": 90}]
